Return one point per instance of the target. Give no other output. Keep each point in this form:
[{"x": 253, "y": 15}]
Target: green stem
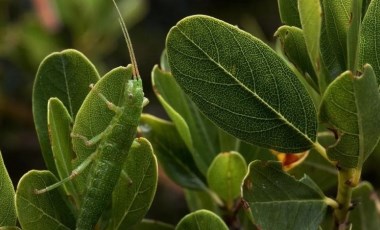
[
  {"x": 322, "y": 151},
  {"x": 343, "y": 198}
]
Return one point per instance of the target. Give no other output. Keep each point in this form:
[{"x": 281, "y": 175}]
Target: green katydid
[{"x": 112, "y": 146}]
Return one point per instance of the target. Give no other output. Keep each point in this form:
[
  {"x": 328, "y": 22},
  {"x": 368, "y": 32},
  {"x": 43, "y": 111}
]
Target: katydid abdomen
[{"x": 111, "y": 152}]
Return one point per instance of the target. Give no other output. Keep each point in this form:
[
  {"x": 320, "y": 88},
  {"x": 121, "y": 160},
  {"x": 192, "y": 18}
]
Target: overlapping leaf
[
  {"x": 311, "y": 20},
  {"x": 369, "y": 38},
  {"x": 136, "y": 188},
  {"x": 94, "y": 115},
  {"x": 365, "y": 215},
  {"x": 65, "y": 75},
  {"x": 274, "y": 195},
  {"x": 44, "y": 211},
  {"x": 7, "y": 211},
  {"x": 337, "y": 15},
  {"x": 289, "y": 12},
  {"x": 351, "y": 104},
  {"x": 172, "y": 152},
  {"x": 201, "y": 220},
  {"x": 225, "y": 176},
  {"x": 59, "y": 123},
  {"x": 239, "y": 83},
  {"x": 198, "y": 133}
]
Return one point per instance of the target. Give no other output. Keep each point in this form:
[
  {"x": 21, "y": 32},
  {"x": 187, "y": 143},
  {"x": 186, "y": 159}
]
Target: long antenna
[{"x": 135, "y": 70}]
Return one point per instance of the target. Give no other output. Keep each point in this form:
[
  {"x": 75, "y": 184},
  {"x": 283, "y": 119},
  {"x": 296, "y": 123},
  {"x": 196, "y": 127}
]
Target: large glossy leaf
[
  {"x": 65, "y": 75},
  {"x": 240, "y": 84},
  {"x": 60, "y": 123},
  {"x": 337, "y": 18},
  {"x": 311, "y": 20},
  {"x": 199, "y": 134},
  {"x": 351, "y": 104},
  {"x": 294, "y": 46},
  {"x": 94, "y": 115},
  {"x": 201, "y": 220},
  {"x": 43, "y": 211},
  {"x": 365, "y": 215},
  {"x": 8, "y": 210},
  {"x": 278, "y": 201},
  {"x": 137, "y": 185},
  {"x": 289, "y": 12},
  {"x": 225, "y": 176},
  {"x": 172, "y": 152},
  {"x": 369, "y": 38}
]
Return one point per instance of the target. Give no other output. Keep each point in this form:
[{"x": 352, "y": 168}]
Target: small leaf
[
  {"x": 197, "y": 200},
  {"x": 199, "y": 134},
  {"x": 311, "y": 20},
  {"x": 351, "y": 104},
  {"x": 201, "y": 220},
  {"x": 94, "y": 116},
  {"x": 239, "y": 83},
  {"x": 269, "y": 190},
  {"x": 147, "y": 224},
  {"x": 135, "y": 190},
  {"x": 172, "y": 152},
  {"x": 43, "y": 211},
  {"x": 225, "y": 176},
  {"x": 59, "y": 124},
  {"x": 8, "y": 210},
  {"x": 289, "y": 12},
  {"x": 293, "y": 43},
  {"x": 365, "y": 215},
  {"x": 65, "y": 75},
  {"x": 337, "y": 15},
  {"x": 369, "y": 38}
]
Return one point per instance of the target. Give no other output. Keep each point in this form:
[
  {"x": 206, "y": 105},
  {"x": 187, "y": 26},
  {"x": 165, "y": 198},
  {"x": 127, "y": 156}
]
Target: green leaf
[
  {"x": 197, "y": 200},
  {"x": 10, "y": 228},
  {"x": 201, "y": 220},
  {"x": 172, "y": 152},
  {"x": 252, "y": 152},
  {"x": 135, "y": 190},
  {"x": 353, "y": 35},
  {"x": 43, "y": 211},
  {"x": 365, "y": 215},
  {"x": 351, "y": 104},
  {"x": 225, "y": 176},
  {"x": 65, "y": 75},
  {"x": 294, "y": 46},
  {"x": 59, "y": 123},
  {"x": 239, "y": 83},
  {"x": 369, "y": 38},
  {"x": 311, "y": 20},
  {"x": 94, "y": 116},
  {"x": 289, "y": 12},
  {"x": 337, "y": 18},
  {"x": 147, "y": 224},
  {"x": 199, "y": 134},
  {"x": 8, "y": 210},
  {"x": 296, "y": 204}
]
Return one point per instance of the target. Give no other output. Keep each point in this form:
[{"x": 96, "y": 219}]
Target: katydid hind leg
[
  {"x": 109, "y": 104},
  {"x": 77, "y": 171}
]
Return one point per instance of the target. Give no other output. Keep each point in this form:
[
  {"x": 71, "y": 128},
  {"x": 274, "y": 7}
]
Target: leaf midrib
[{"x": 280, "y": 116}]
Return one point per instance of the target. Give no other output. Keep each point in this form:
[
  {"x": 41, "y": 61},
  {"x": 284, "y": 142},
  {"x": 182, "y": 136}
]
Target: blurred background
[{"x": 32, "y": 29}]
